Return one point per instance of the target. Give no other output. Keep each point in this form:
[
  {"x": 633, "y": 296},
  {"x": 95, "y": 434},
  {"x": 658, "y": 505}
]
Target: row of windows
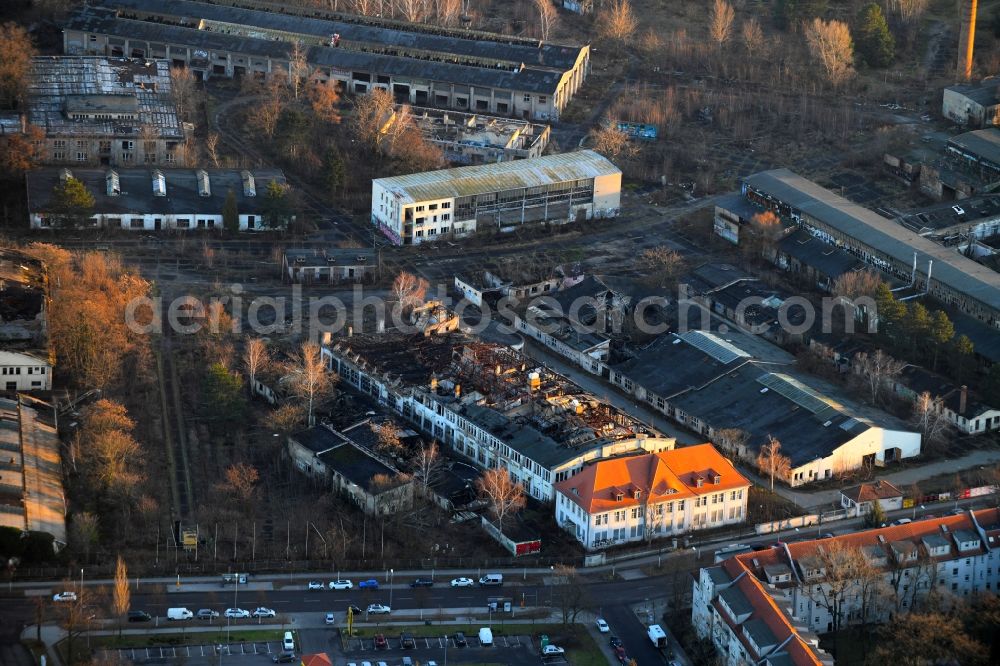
[{"x": 31, "y": 370}]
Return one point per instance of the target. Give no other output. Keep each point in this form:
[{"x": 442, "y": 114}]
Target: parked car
[
  {"x": 237, "y": 613},
  {"x": 407, "y": 641},
  {"x": 354, "y": 609},
  {"x": 341, "y": 585},
  {"x": 139, "y": 616},
  {"x": 460, "y": 640},
  {"x": 284, "y": 658},
  {"x": 550, "y": 649},
  {"x": 330, "y": 619},
  {"x": 264, "y": 612},
  {"x": 206, "y": 614},
  {"x": 64, "y": 596},
  {"x": 958, "y": 210},
  {"x": 620, "y": 654},
  {"x": 379, "y": 609},
  {"x": 380, "y": 642},
  {"x": 902, "y": 521},
  {"x": 407, "y": 661},
  {"x": 462, "y": 582},
  {"x": 614, "y": 642},
  {"x": 315, "y": 585},
  {"x": 422, "y": 582},
  {"x": 602, "y": 626},
  {"x": 371, "y": 583}
]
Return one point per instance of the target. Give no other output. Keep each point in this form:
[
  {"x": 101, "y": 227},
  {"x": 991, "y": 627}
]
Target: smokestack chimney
[
  {"x": 963, "y": 399},
  {"x": 458, "y": 391},
  {"x": 350, "y": 331},
  {"x": 434, "y": 384},
  {"x": 967, "y": 38}
]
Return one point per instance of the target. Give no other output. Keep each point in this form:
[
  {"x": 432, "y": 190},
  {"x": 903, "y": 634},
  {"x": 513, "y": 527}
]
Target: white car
[
  {"x": 379, "y": 609},
  {"x": 366, "y": 663},
  {"x": 341, "y": 585},
  {"x": 330, "y": 619},
  {"x": 264, "y": 612},
  {"x": 552, "y": 649},
  {"x": 602, "y": 626},
  {"x": 462, "y": 582},
  {"x": 64, "y": 596},
  {"x": 958, "y": 210},
  {"x": 315, "y": 585},
  {"x": 237, "y": 613}
]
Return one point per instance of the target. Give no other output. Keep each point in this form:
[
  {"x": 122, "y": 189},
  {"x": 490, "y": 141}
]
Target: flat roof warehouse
[{"x": 498, "y": 62}]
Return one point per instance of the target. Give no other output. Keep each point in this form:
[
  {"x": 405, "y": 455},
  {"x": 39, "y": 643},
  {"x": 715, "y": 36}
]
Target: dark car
[
  {"x": 286, "y": 657},
  {"x": 380, "y": 642},
  {"x": 407, "y": 641},
  {"x": 615, "y": 642},
  {"x": 370, "y": 583},
  {"x": 139, "y": 616},
  {"x": 620, "y": 653},
  {"x": 354, "y": 609},
  {"x": 460, "y": 639},
  {"x": 422, "y": 582}
]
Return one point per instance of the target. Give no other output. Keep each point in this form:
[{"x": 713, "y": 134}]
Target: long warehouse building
[
  {"x": 430, "y": 205},
  {"x": 420, "y": 64},
  {"x": 942, "y": 272}
]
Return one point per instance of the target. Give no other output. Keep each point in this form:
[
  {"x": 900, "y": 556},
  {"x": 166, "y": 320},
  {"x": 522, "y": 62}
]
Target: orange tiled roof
[
  {"x": 663, "y": 476},
  {"x": 320, "y": 659},
  {"x": 767, "y": 610},
  {"x": 869, "y": 492}
]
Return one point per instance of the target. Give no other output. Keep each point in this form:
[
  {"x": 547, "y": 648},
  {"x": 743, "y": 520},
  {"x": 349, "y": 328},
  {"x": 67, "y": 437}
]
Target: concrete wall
[{"x": 607, "y": 196}]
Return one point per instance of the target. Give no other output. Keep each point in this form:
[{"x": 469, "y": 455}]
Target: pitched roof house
[{"x": 859, "y": 500}]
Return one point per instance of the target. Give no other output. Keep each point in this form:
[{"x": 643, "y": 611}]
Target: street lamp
[
  {"x": 391, "y": 574},
  {"x": 81, "y": 582}
]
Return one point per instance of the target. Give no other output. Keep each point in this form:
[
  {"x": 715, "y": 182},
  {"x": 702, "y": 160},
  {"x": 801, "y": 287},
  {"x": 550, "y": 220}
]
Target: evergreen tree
[
  {"x": 788, "y": 13},
  {"x": 72, "y": 204},
  {"x": 918, "y": 325},
  {"x": 876, "y": 516},
  {"x": 223, "y": 393},
  {"x": 276, "y": 209},
  {"x": 230, "y": 214},
  {"x": 891, "y": 313},
  {"x": 875, "y": 44},
  {"x": 960, "y": 360},
  {"x": 941, "y": 333},
  {"x": 991, "y": 388},
  {"x": 334, "y": 171}
]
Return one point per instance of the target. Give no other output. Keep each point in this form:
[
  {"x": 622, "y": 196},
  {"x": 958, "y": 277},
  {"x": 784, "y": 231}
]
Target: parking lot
[
  {"x": 368, "y": 644},
  {"x": 199, "y": 654},
  {"x": 512, "y": 655}
]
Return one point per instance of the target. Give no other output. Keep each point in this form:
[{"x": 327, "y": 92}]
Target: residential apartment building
[
  {"x": 157, "y": 199},
  {"x": 24, "y": 372},
  {"x": 559, "y": 188},
  {"x": 951, "y": 558},
  {"x": 714, "y": 385},
  {"x": 422, "y": 65},
  {"x": 487, "y": 403},
  {"x": 101, "y": 111},
  {"x": 643, "y": 497},
  {"x": 929, "y": 268}
]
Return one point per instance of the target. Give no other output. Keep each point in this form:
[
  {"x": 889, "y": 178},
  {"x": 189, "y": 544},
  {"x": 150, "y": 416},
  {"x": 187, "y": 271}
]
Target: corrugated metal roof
[
  {"x": 498, "y": 177},
  {"x": 984, "y": 143},
  {"x": 950, "y": 268}
]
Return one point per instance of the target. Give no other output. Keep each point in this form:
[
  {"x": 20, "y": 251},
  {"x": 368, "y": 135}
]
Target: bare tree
[
  {"x": 547, "y": 17},
  {"x": 617, "y": 22},
  {"x": 570, "y": 593},
  {"x": 212, "y": 148},
  {"x": 255, "y": 359},
  {"x": 662, "y": 264},
  {"x": 182, "y": 86},
  {"x": 505, "y": 496},
  {"x": 16, "y": 51},
  {"x": 428, "y": 463},
  {"x": 448, "y": 12},
  {"x": 771, "y": 462},
  {"x": 731, "y": 440},
  {"x": 831, "y": 576},
  {"x": 909, "y": 10},
  {"x": 389, "y": 441},
  {"x": 299, "y": 70},
  {"x": 241, "y": 482},
  {"x": 309, "y": 379},
  {"x": 84, "y": 532},
  {"x": 324, "y": 98},
  {"x": 875, "y": 370},
  {"x": 830, "y": 43},
  {"x": 929, "y": 416},
  {"x": 753, "y": 36},
  {"x": 409, "y": 290},
  {"x": 612, "y": 142},
  {"x": 265, "y": 114},
  {"x": 414, "y": 11},
  {"x": 372, "y": 111},
  {"x": 720, "y": 22},
  {"x": 122, "y": 597},
  {"x": 855, "y": 284}
]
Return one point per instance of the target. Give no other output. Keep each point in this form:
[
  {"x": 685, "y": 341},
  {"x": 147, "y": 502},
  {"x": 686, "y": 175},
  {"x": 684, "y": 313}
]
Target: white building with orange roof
[
  {"x": 825, "y": 584},
  {"x": 636, "y": 498}
]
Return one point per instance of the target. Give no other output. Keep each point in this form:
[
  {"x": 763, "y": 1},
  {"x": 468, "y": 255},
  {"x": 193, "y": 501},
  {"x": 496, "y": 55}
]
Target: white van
[
  {"x": 491, "y": 580},
  {"x": 179, "y": 614},
  {"x": 486, "y": 636},
  {"x": 288, "y": 643}
]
